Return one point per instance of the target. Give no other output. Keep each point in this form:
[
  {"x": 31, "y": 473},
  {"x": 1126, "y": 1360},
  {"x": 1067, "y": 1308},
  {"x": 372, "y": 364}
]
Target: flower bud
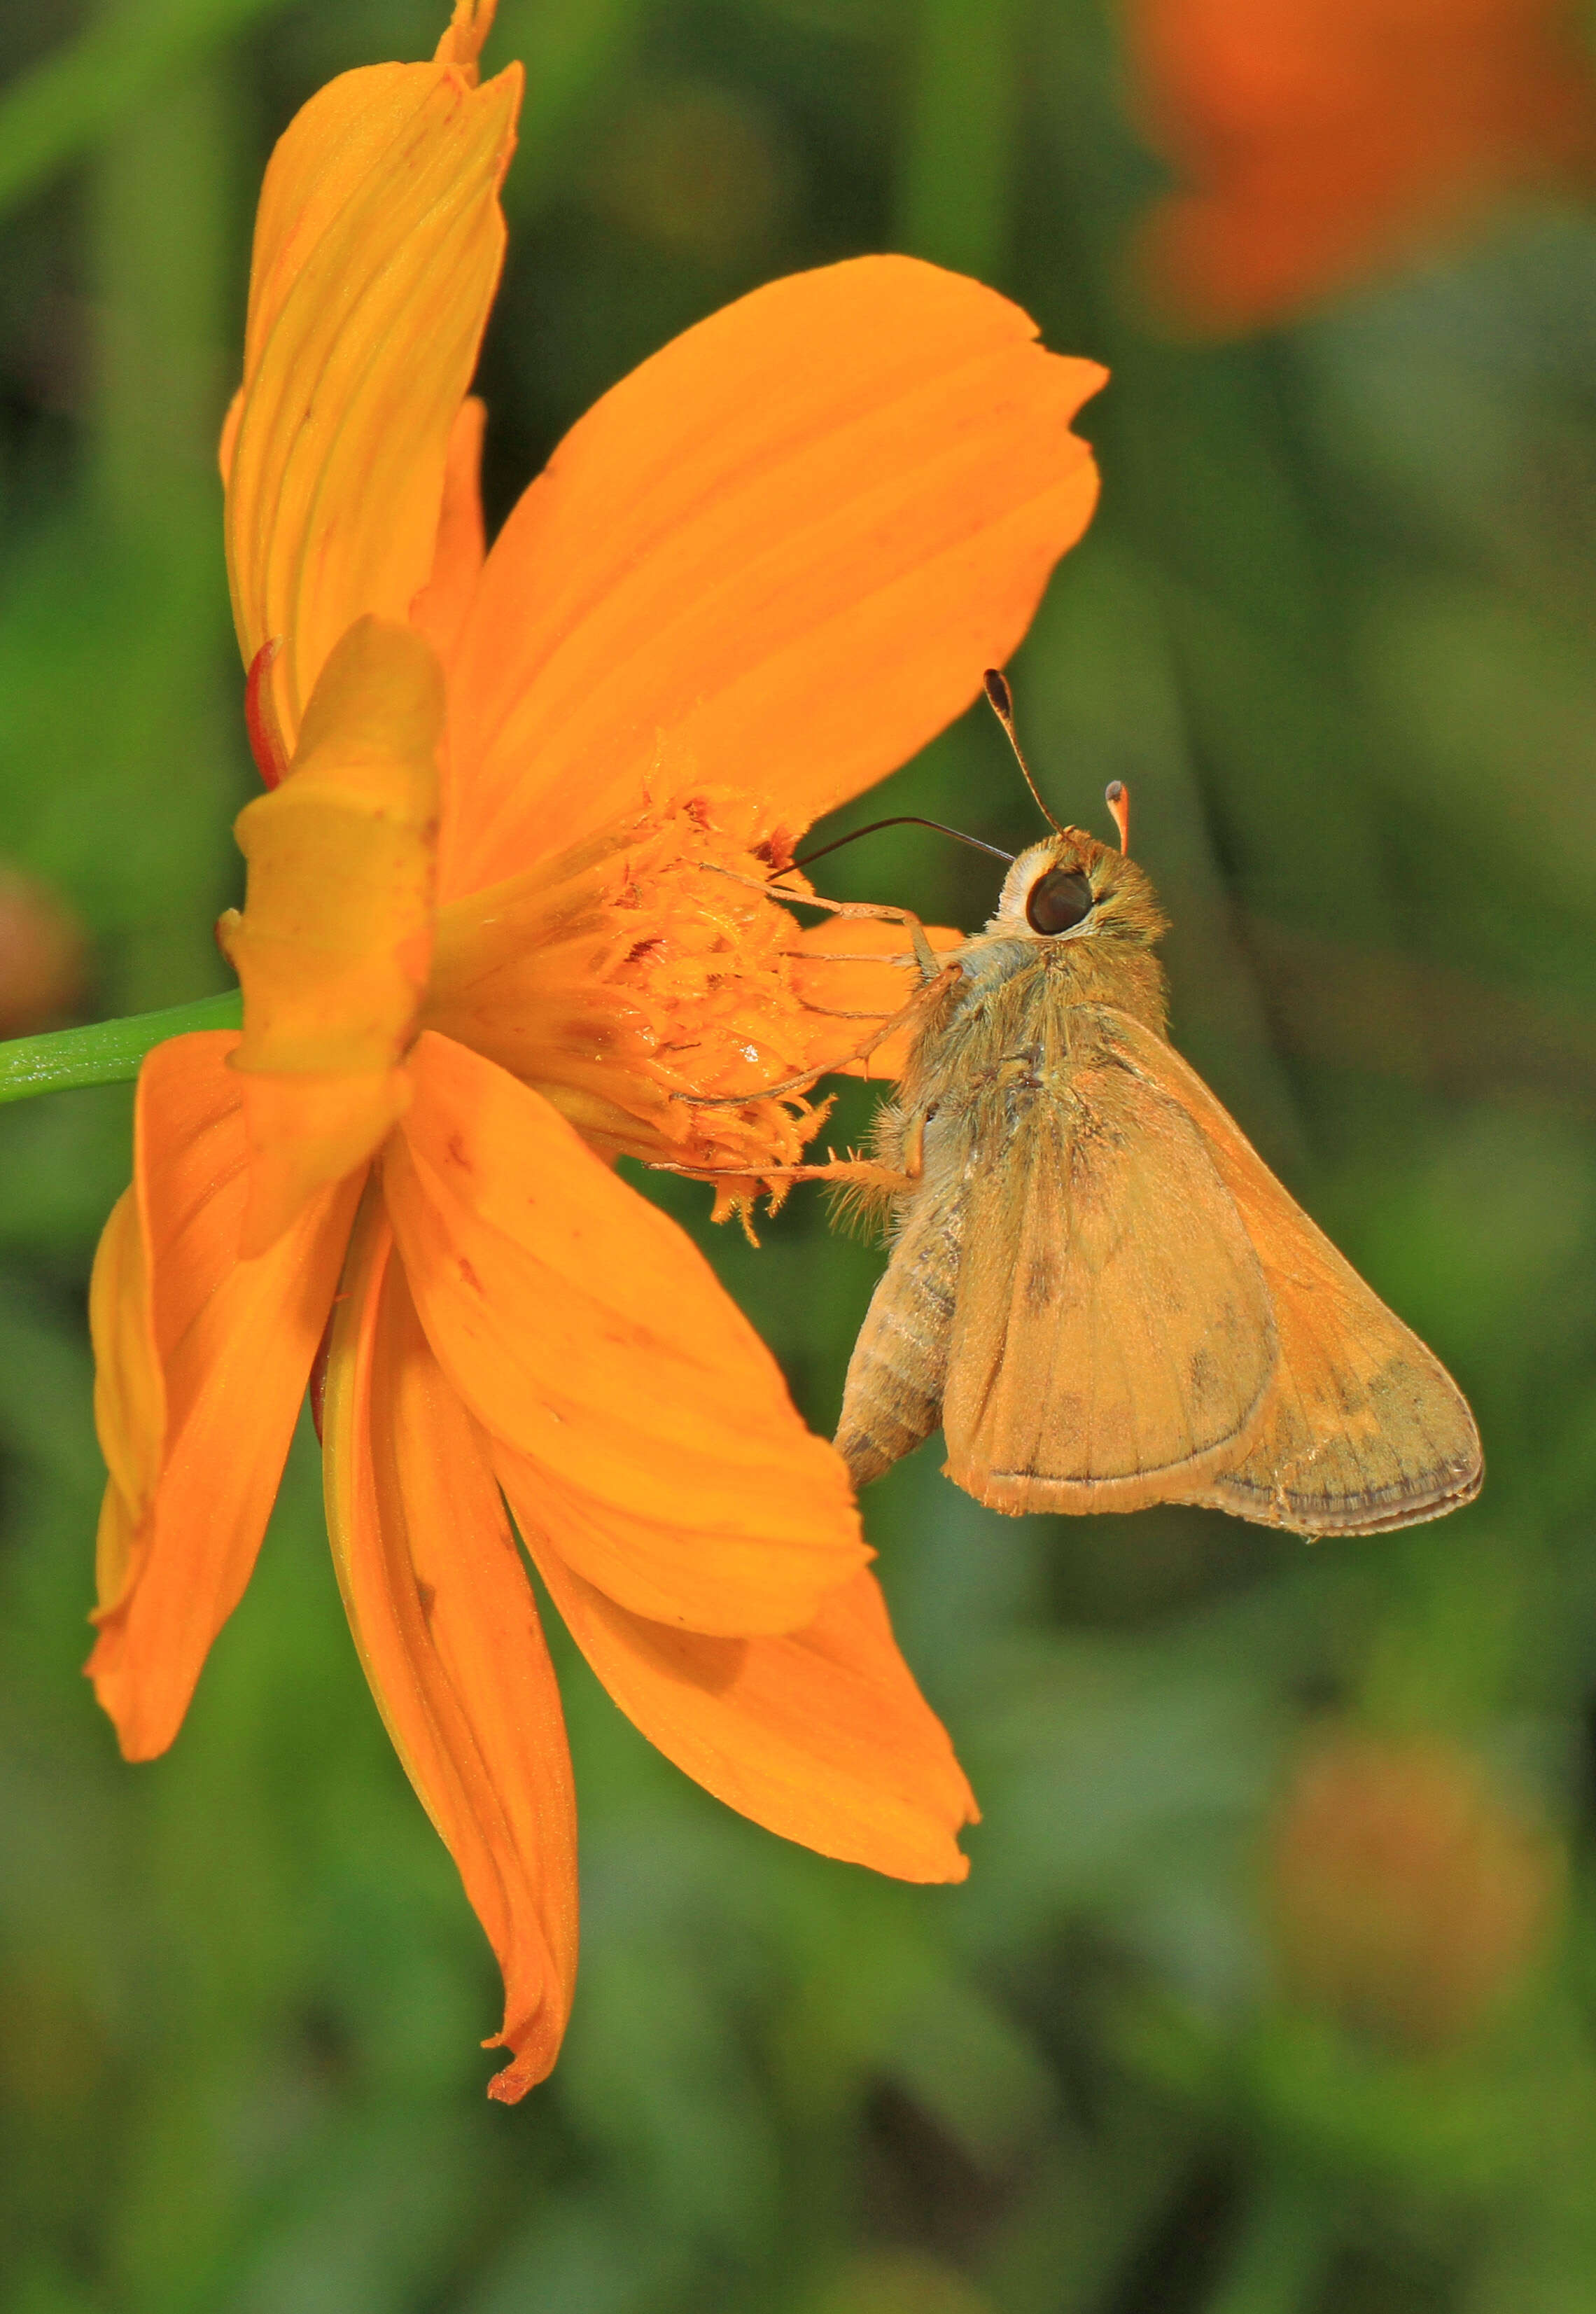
[
  {"x": 43, "y": 956},
  {"x": 1406, "y": 1896}
]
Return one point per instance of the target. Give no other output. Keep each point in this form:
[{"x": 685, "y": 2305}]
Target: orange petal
[
  {"x": 842, "y": 972},
  {"x": 235, "y": 1340},
  {"x": 779, "y": 555},
  {"x": 822, "y": 1736},
  {"x": 130, "y": 1392},
  {"x": 335, "y": 939},
  {"x": 227, "y": 442},
  {"x": 440, "y": 609},
  {"x": 448, "y": 1633},
  {"x": 303, "y": 1134},
  {"x": 590, "y": 1337},
  {"x": 377, "y": 250}
]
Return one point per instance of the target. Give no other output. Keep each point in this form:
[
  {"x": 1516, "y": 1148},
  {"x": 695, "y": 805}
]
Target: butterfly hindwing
[{"x": 1364, "y": 1429}]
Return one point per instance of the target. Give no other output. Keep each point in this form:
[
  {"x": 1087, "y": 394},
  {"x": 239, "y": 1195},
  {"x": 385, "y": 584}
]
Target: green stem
[{"x": 108, "y": 1053}]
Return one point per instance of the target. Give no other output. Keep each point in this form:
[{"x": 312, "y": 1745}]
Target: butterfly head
[{"x": 1070, "y": 887}]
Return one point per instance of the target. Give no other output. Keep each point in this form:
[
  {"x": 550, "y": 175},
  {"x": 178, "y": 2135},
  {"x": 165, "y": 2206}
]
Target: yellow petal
[
  {"x": 777, "y": 557},
  {"x": 591, "y": 1339},
  {"x": 335, "y": 939},
  {"x": 447, "y": 1630},
  {"x": 821, "y": 1736},
  {"x": 377, "y": 250},
  {"x": 234, "y": 1340}
]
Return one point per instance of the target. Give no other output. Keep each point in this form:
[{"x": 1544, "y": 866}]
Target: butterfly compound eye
[{"x": 1056, "y": 901}]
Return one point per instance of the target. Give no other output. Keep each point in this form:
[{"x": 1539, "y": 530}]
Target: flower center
[{"x": 640, "y": 972}]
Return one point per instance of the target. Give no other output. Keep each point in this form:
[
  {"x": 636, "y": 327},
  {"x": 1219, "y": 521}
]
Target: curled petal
[
  {"x": 234, "y": 1341},
  {"x": 593, "y": 1341},
  {"x": 267, "y": 744},
  {"x": 779, "y": 555},
  {"x": 377, "y": 250},
  {"x": 447, "y": 1630},
  {"x": 821, "y": 1736},
  {"x": 335, "y": 939}
]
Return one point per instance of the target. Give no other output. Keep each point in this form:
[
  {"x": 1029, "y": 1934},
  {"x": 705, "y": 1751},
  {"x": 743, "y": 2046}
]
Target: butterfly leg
[
  {"x": 944, "y": 978},
  {"x": 925, "y": 955},
  {"x": 864, "y": 1173}
]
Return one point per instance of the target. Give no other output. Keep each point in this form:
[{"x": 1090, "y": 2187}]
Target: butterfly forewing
[
  {"x": 1363, "y": 1429},
  {"x": 1111, "y": 1341}
]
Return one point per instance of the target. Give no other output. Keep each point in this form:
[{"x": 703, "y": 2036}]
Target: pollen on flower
[{"x": 639, "y": 973}]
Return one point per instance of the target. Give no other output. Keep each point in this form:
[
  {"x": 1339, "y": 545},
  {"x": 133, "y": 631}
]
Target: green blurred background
[{"x": 1272, "y": 1986}]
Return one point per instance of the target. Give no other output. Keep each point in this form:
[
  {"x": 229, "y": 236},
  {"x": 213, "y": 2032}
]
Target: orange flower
[
  {"x": 1325, "y": 139},
  {"x": 488, "y": 943}
]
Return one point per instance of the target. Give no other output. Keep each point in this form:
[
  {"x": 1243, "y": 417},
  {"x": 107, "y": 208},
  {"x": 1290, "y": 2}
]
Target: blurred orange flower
[
  {"x": 1321, "y": 140},
  {"x": 1407, "y": 1897},
  {"x": 487, "y": 946},
  {"x": 44, "y": 955}
]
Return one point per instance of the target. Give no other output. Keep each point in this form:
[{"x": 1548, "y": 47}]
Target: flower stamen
[{"x": 641, "y": 974}]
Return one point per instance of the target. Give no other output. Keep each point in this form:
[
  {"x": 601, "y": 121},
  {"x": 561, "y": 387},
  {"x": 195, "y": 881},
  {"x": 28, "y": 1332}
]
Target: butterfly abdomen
[{"x": 893, "y": 1396}]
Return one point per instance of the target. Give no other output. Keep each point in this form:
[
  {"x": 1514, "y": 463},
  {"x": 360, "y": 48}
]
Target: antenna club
[
  {"x": 1002, "y": 707},
  {"x": 1117, "y": 796}
]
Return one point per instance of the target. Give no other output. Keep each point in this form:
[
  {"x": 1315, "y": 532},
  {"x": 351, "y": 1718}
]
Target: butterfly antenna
[
  {"x": 900, "y": 819},
  {"x": 1117, "y": 796},
  {"x": 1002, "y": 706}
]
